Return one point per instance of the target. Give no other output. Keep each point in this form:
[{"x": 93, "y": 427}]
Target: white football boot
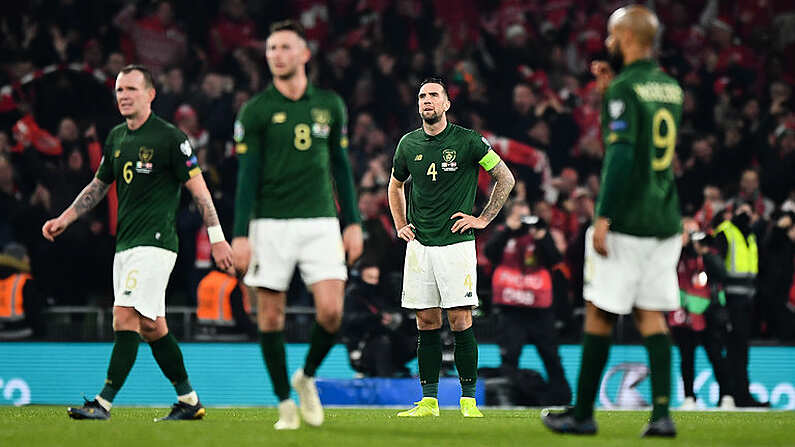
[
  {"x": 311, "y": 410},
  {"x": 288, "y": 416}
]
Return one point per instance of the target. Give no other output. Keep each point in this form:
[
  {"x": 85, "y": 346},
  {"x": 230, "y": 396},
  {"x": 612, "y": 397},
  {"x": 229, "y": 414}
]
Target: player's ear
[
  {"x": 447, "y": 104},
  {"x": 306, "y": 55},
  {"x": 151, "y": 94}
]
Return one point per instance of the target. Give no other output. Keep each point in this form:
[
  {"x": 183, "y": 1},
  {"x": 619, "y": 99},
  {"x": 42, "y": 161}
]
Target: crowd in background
[{"x": 517, "y": 72}]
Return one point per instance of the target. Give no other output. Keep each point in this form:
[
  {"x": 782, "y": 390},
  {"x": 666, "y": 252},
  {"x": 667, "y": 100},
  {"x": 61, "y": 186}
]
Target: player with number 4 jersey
[{"x": 443, "y": 160}]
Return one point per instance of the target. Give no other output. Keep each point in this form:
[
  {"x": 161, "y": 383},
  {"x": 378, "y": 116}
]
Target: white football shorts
[
  {"x": 140, "y": 277},
  {"x": 444, "y": 276},
  {"x": 638, "y": 272},
  {"x": 278, "y": 245}
]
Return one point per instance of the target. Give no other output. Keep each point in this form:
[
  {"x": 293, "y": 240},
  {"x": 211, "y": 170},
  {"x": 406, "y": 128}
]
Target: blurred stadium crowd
[{"x": 518, "y": 73}]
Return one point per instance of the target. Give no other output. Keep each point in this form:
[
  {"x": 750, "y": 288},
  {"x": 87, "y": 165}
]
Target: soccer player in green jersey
[
  {"x": 291, "y": 143},
  {"x": 443, "y": 160},
  {"x": 633, "y": 248},
  {"x": 150, "y": 160}
]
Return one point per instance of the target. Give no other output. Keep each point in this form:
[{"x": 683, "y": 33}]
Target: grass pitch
[{"x": 50, "y": 426}]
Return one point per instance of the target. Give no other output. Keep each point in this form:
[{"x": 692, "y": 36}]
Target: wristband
[{"x": 216, "y": 234}]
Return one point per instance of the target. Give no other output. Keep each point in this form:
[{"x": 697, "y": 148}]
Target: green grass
[{"x": 49, "y": 426}]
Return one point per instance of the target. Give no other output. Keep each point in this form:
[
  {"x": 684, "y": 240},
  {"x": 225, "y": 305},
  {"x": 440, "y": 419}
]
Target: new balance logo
[
  {"x": 468, "y": 295},
  {"x": 128, "y": 292},
  {"x": 418, "y": 157}
]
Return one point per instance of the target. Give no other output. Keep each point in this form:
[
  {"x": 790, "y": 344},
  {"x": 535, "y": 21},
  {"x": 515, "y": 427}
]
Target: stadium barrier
[{"x": 233, "y": 374}]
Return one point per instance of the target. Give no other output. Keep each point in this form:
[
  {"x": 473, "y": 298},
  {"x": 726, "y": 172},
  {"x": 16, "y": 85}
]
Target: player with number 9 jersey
[{"x": 642, "y": 109}]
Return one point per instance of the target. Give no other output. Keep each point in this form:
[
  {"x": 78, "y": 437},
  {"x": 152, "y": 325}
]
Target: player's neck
[
  {"x": 634, "y": 54},
  {"x": 435, "y": 128},
  {"x": 293, "y": 87},
  {"x": 136, "y": 121}
]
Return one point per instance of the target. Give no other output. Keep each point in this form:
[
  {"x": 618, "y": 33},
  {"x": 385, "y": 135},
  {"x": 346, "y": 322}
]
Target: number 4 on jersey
[{"x": 432, "y": 171}]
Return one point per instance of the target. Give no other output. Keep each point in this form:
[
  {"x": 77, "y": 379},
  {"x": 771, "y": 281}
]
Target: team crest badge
[
  {"x": 321, "y": 116},
  {"x": 144, "y": 164},
  {"x": 448, "y": 160},
  {"x": 616, "y": 108}
]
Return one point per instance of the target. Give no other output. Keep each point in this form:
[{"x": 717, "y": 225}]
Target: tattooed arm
[
  {"x": 222, "y": 252},
  {"x": 88, "y": 198},
  {"x": 203, "y": 200},
  {"x": 503, "y": 185}
]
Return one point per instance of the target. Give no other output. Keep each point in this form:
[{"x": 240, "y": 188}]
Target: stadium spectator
[
  {"x": 172, "y": 94},
  {"x": 749, "y": 193},
  {"x": 154, "y": 40}
]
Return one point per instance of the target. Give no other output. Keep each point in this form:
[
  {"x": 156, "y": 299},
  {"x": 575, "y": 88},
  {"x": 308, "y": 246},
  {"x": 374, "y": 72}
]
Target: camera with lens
[{"x": 532, "y": 223}]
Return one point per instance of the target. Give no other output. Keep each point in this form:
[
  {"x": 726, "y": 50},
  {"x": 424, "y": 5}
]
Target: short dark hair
[
  {"x": 149, "y": 81},
  {"x": 289, "y": 25},
  {"x": 435, "y": 80}
]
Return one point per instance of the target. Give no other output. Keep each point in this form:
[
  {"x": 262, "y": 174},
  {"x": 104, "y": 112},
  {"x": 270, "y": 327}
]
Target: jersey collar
[
  {"x": 151, "y": 115},
  {"x": 440, "y": 135},
  {"x": 310, "y": 90},
  {"x": 640, "y": 63}
]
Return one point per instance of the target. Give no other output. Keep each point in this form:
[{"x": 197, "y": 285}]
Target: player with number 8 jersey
[{"x": 292, "y": 149}]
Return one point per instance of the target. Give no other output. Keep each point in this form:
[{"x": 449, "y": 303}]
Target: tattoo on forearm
[
  {"x": 207, "y": 210},
  {"x": 90, "y": 196},
  {"x": 503, "y": 185}
]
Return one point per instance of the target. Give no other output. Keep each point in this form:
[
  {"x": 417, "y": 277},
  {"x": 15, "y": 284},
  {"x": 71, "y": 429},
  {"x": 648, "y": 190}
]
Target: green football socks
[
  {"x": 272, "y": 344},
  {"x": 125, "y": 350},
  {"x": 659, "y": 347},
  {"x": 169, "y": 357},
  {"x": 429, "y": 359},
  {"x": 595, "y": 349},
  {"x": 321, "y": 343},
  {"x": 466, "y": 360}
]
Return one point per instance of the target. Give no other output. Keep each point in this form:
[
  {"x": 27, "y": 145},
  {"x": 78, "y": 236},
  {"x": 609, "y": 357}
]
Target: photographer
[
  {"x": 702, "y": 317},
  {"x": 523, "y": 252},
  {"x": 380, "y": 338},
  {"x": 775, "y": 278}
]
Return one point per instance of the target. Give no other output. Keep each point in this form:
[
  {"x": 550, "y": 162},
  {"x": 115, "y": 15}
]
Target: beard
[
  {"x": 616, "y": 59},
  {"x": 433, "y": 119},
  {"x": 288, "y": 75}
]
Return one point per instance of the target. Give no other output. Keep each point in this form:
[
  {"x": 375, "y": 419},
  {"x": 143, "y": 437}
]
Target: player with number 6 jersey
[{"x": 149, "y": 160}]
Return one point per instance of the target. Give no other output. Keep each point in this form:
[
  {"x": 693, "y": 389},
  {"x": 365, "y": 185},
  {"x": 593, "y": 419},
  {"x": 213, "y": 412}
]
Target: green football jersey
[
  {"x": 149, "y": 165},
  {"x": 287, "y": 151},
  {"x": 642, "y": 108},
  {"x": 444, "y": 178}
]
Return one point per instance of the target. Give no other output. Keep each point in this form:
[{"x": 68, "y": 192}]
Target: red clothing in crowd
[
  {"x": 227, "y": 34},
  {"x": 150, "y": 42}
]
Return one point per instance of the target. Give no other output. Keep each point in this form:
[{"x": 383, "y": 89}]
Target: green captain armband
[{"x": 490, "y": 160}]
